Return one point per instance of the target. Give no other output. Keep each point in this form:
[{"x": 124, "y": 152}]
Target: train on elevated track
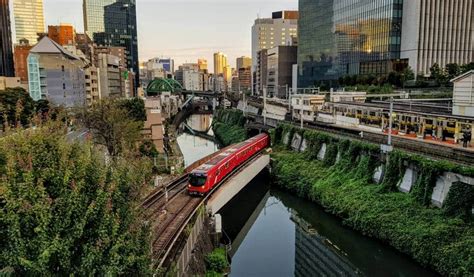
[{"x": 207, "y": 176}]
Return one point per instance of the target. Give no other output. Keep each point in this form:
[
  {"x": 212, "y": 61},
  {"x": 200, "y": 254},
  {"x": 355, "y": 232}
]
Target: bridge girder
[{"x": 160, "y": 85}]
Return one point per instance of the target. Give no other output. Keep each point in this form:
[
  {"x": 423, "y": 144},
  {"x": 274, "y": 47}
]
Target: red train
[{"x": 207, "y": 176}]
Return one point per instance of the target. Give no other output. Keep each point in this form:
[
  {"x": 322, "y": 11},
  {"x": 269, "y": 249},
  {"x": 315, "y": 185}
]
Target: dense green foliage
[
  {"x": 440, "y": 238},
  {"x": 228, "y": 126},
  {"x": 64, "y": 211},
  {"x": 135, "y": 107},
  {"x": 216, "y": 262},
  {"x": 113, "y": 125}
]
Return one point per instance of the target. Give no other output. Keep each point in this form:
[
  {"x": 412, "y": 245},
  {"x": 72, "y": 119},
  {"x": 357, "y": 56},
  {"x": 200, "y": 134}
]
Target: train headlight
[
  {"x": 203, "y": 187},
  {"x": 189, "y": 186}
]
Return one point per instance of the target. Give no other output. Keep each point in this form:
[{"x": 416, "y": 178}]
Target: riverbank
[
  {"x": 341, "y": 182},
  {"x": 228, "y": 126}
]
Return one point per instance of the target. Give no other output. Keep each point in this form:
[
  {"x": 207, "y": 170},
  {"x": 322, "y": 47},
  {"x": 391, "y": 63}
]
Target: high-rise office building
[
  {"x": 338, "y": 38},
  {"x": 114, "y": 23},
  {"x": 63, "y": 34},
  {"x": 280, "y": 29},
  {"x": 243, "y": 62},
  {"x": 267, "y": 33},
  {"x": 93, "y": 13},
  {"x": 6, "y": 54},
  {"x": 29, "y": 19},
  {"x": 220, "y": 63},
  {"x": 437, "y": 32},
  {"x": 347, "y": 38}
]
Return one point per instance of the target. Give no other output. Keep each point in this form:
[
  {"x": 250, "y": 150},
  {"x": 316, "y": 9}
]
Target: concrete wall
[{"x": 236, "y": 183}]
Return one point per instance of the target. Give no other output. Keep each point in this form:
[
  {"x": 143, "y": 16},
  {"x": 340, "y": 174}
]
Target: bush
[
  {"x": 216, "y": 261},
  {"x": 64, "y": 211}
]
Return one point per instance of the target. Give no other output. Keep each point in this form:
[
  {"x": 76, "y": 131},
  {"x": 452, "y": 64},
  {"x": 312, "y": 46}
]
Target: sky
[{"x": 184, "y": 30}]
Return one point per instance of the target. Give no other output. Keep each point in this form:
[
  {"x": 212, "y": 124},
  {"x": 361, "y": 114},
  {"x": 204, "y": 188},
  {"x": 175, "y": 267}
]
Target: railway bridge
[{"x": 177, "y": 219}]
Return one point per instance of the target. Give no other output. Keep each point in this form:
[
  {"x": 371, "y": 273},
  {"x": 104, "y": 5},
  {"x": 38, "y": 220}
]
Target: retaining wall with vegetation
[
  {"x": 421, "y": 207},
  {"x": 228, "y": 126}
]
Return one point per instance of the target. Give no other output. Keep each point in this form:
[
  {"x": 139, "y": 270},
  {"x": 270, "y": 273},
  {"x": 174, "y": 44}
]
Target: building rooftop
[
  {"x": 48, "y": 46},
  {"x": 462, "y": 76}
]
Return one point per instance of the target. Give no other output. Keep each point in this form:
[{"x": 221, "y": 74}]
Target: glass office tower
[
  {"x": 347, "y": 37},
  {"x": 114, "y": 23},
  {"x": 29, "y": 19}
]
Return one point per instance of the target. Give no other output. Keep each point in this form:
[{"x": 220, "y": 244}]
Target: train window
[
  {"x": 227, "y": 165},
  {"x": 218, "y": 172}
]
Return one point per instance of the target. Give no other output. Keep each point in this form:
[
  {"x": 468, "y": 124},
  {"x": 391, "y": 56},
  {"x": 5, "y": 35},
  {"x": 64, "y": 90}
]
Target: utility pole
[
  {"x": 264, "y": 106},
  {"x": 390, "y": 122}
]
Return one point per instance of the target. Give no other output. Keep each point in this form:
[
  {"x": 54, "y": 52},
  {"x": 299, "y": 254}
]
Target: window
[
  {"x": 62, "y": 68},
  {"x": 197, "y": 181},
  {"x": 227, "y": 165}
]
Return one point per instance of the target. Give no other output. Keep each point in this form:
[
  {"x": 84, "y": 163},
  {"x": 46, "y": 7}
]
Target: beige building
[
  {"x": 154, "y": 129},
  {"x": 109, "y": 75},
  {"x": 11, "y": 82},
  {"x": 28, "y": 19}
]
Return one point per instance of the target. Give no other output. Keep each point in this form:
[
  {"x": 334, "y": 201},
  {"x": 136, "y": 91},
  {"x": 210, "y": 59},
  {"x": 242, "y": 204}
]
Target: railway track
[
  {"x": 433, "y": 151},
  {"x": 157, "y": 200},
  {"x": 179, "y": 210}
]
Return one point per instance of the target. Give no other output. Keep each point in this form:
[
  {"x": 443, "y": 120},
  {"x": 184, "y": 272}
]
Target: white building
[
  {"x": 437, "y": 32},
  {"x": 306, "y": 105},
  {"x": 463, "y": 94},
  {"x": 281, "y": 29}
]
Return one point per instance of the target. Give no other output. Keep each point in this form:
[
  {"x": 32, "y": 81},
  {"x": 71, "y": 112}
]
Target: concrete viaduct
[{"x": 171, "y": 244}]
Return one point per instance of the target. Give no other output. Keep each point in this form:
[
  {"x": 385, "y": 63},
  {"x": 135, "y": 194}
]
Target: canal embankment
[
  {"x": 228, "y": 126},
  {"x": 339, "y": 175}
]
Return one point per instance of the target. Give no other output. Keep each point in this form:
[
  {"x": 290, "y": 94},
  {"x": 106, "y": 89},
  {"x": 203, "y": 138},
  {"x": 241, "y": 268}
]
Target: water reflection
[
  {"x": 194, "y": 147},
  {"x": 288, "y": 236}
]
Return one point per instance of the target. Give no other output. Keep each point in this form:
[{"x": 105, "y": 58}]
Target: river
[{"x": 274, "y": 233}]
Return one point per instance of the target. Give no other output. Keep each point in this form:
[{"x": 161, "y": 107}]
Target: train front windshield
[{"x": 197, "y": 181}]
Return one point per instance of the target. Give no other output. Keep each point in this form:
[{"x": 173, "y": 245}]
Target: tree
[
  {"x": 438, "y": 74},
  {"x": 65, "y": 212},
  {"x": 453, "y": 70},
  {"x": 467, "y": 67},
  {"x": 113, "y": 126},
  {"x": 135, "y": 107},
  {"x": 11, "y": 99},
  {"x": 407, "y": 75}
]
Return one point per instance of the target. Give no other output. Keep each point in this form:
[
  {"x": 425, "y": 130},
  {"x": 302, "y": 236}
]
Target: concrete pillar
[
  {"x": 322, "y": 152},
  {"x": 408, "y": 180}
]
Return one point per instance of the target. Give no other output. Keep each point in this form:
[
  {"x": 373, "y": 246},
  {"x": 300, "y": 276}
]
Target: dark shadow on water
[{"x": 277, "y": 234}]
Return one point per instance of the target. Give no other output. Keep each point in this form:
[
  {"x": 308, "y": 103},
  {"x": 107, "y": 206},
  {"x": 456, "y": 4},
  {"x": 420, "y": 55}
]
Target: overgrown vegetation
[
  {"x": 216, "y": 262},
  {"x": 228, "y": 126},
  {"x": 65, "y": 211},
  {"x": 440, "y": 238}
]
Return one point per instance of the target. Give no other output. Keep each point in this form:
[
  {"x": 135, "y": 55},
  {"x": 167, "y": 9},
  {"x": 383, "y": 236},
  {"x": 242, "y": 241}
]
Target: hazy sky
[{"x": 184, "y": 29}]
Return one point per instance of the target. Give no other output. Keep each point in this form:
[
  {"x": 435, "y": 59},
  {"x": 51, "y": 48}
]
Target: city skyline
[{"x": 186, "y": 40}]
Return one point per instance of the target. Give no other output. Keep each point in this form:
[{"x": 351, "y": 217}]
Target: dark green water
[
  {"x": 274, "y": 233},
  {"x": 277, "y": 234}
]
